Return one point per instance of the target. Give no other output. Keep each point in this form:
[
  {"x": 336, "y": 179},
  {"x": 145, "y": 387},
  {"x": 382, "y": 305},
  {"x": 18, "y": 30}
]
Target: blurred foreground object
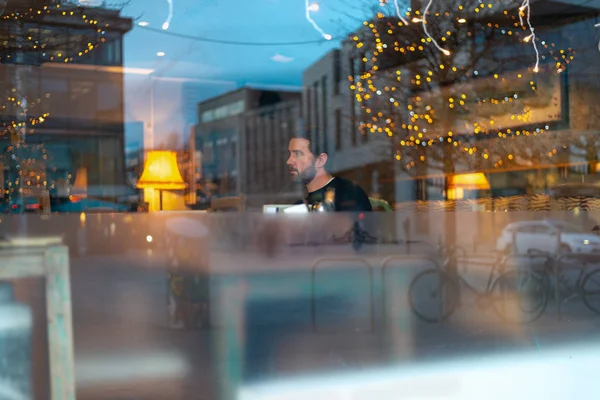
[
  {"x": 189, "y": 289},
  {"x": 15, "y": 346},
  {"x": 25, "y": 257},
  {"x": 161, "y": 173}
]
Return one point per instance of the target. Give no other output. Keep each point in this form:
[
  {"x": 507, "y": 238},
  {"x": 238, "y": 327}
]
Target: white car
[{"x": 546, "y": 236}]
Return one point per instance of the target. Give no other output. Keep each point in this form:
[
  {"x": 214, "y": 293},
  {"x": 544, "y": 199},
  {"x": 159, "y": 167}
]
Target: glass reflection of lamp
[
  {"x": 79, "y": 190},
  {"x": 461, "y": 182},
  {"x": 161, "y": 173}
]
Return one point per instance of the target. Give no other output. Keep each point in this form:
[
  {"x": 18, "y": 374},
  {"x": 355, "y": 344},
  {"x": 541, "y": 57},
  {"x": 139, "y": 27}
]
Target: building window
[
  {"x": 83, "y": 102},
  {"x": 233, "y": 151},
  {"x": 317, "y": 125},
  {"x": 338, "y": 129},
  {"x": 353, "y": 102},
  {"x": 324, "y": 114},
  {"x": 337, "y": 73},
  {"x": 208, "y": 153},
  {"x": 228, "y": 110},
  {"x": 360, "y": 112},
  {"x": 308, "y": 123}
]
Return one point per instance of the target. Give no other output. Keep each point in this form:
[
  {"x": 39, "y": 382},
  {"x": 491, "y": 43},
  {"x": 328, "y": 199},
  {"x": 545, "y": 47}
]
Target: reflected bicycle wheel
[
  {"x": 428, "y": 296},
  {"x": 520, "y": 296},
  {"x": 590, "y": 288}
]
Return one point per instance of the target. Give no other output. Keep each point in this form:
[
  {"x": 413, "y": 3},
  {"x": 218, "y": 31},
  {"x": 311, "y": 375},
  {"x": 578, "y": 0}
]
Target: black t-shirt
[{"x": 339, "y": 195}]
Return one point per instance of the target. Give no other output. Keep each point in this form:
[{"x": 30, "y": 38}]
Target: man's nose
[{"x": 289, "y": 161}]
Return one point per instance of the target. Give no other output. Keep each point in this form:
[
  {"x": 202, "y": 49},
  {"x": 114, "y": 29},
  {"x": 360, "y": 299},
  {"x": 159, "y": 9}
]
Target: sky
[
  {"x": 161, "y": 91},
  {"x": 258, "y": 21}
]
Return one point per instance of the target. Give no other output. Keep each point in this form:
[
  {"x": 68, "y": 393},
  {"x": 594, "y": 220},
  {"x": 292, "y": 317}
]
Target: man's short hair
[{"x": 302, "y": 134}]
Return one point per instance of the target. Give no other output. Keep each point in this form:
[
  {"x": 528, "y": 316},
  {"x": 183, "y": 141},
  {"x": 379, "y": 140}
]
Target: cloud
[{"x": 281, "y": 59}]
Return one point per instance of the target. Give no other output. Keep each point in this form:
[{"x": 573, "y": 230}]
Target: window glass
[{"x": 152, "y": 151}]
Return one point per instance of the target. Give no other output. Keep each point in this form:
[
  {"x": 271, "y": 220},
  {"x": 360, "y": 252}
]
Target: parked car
[{"x": 546, "y": 236}]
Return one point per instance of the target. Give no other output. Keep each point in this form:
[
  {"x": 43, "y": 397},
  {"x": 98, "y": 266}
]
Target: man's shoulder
[
  {"x": 348, "y": 188},
  {"x": 343, "y": 183},
  {"x": 351, "y": 197}
]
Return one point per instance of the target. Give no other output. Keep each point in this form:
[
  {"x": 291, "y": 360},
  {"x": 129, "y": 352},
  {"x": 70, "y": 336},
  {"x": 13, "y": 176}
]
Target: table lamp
[{"x": 161, "y": 173}]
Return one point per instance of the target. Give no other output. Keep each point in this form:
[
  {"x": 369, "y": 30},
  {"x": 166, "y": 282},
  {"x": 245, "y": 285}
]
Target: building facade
[
  {"x": 63, "y": 122},
  {"x": 333, "y": 118},
  {"x": 266, "y": 133},
  {"x": 410, "y": 132},
  {"x": 134, "y": 152},
  {"x": 236, "y": 133}
]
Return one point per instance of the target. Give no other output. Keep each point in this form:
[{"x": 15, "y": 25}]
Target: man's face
[{"x": 301, "y": 162}]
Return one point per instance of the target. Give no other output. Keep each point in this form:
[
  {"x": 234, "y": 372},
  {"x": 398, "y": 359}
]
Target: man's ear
[{"x": 321, "y": 160}]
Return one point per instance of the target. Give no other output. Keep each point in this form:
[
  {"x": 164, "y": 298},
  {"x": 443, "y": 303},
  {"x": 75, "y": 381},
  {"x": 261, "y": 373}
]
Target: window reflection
[{"x": 458, "y": 130}]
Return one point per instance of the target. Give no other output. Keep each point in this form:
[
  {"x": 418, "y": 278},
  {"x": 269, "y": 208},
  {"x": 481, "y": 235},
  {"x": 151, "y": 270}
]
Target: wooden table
[{"x": 47, "y": 257}]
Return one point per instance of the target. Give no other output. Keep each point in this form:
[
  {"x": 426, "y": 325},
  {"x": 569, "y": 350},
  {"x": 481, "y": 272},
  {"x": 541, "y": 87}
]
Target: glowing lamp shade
[
  {"x": 475, "y": 181},
  {"x": 80, "y": 185},
  {"x": 161, "y": 173}
]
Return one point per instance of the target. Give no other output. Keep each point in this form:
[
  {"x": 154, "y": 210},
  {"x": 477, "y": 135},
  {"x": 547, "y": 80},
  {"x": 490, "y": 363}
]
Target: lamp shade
[
  {"x": 475, "y": 181},
  {"x": 161, "y": 172},
  {"x": 80, "y": 185}
]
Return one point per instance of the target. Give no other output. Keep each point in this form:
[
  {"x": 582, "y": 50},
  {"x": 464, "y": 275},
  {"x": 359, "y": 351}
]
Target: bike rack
[
  {"x": 384, "y": 266},
  {"x": 547, "y": 257},
  {"x": 505, "y": 259},
  {"x": 585, "y": 258},
  {"x": 313, "y": 305}
]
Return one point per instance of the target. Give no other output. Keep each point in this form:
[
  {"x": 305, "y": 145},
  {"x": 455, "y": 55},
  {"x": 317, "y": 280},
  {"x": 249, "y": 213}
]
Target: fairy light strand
[
  {"x": 413, "y": 136},
  {"x": 365, "y": 89},
  {"x": 423, "y": 22},
  {"x": 525, "y": 9},
  {"x": 313, "y": 7},
  {"x": 399, "y": 13},
  {"x": 167, "y": 23}
]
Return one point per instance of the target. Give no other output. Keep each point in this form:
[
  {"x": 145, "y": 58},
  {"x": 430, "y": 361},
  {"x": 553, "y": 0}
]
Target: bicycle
[
  {"x": 357, "y": 236},
  {"x": 581, "y": 287},
  {"x": 523, "y": 289}
]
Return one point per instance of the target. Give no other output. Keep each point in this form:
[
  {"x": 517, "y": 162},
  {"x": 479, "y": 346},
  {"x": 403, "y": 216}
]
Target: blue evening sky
[
  {"x": 236, "y": 20},
  {"x": 161, "y": 93}
]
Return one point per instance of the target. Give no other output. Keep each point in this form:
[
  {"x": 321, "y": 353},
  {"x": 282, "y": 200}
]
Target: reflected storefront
[
  {"x": 480, "y": 112},
  {"x": 67, "y": 167}
]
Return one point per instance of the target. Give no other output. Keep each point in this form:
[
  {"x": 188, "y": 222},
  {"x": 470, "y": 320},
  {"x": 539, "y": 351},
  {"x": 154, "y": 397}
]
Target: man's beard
[{"x": 305, "y": 176}]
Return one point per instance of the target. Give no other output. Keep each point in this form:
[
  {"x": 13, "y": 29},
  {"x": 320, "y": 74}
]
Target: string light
[
  {"x": 422, "y": 115},
  {"x": 424, "y": 23},
  {"x": 30, "y": 160},
  {"x": 37, "y": 14},
  {"x": 310, "y": 8},
  {"x": 167, "y": 23},
  {"x": 399, "y": 13},
  {"x": 525, "y": 10}
]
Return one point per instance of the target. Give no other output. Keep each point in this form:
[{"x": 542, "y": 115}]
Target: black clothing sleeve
[{"x": 351, "y": 197}]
